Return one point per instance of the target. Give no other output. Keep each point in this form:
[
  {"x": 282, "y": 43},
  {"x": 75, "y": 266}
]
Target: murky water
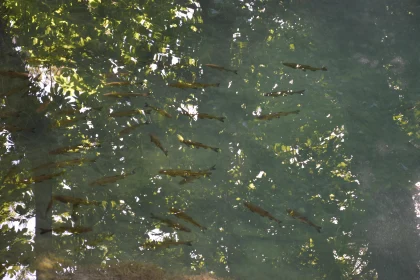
[{"x": 345, "y": 157}]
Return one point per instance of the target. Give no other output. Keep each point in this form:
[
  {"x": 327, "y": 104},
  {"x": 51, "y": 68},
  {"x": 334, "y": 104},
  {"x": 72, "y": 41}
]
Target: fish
[
  {"x": 202, "y": 115},
  {"x": 130, "y": 128},
  {"x": 283, "y": 93},
  {"x": 41, "y": 178},
  {"x": 276, "y": 115},
  {"x": 127, "y": 113},
  {"x": 126, "y": 94},
  {"x": 165, "y": 243},
  {"x": 155, "y": 140},
  {"x": 72, "y": 200},
  {"x": 15, "y": 90},
  {"x": 124, "y": 83},
  {"x": 170, "y": 223},
  {"x": 181, "y": 215},
  {"x": 62, "y": 229},
  {"x": 59, "y": 164},
  {"x": 260, "y": 211},
  {"x": 73, "y": 149},
  {"x": 76, "y": 111},
  {"x": 110, "y": 179},
  {"x": 207, "y": 116},
  {"x": 221, "y": 68},
  {"x": 187, "y": 173},
  {"x": 184, "y": 85},
  {"x": 9, "y": 114},
  {"x": 160, "y": 111},
  {"x": 43, "y": 106},
  {"x": 13, "y": 74},
  {"x": 303, "y": 66},
  {"x": 296, "y": 215},
  {"x": 196, "y": 145},
  {"x": 15, "y": 128}
]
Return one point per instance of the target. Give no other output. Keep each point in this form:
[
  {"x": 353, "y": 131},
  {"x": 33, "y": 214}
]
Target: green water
[{"x": 348, "y": 161}]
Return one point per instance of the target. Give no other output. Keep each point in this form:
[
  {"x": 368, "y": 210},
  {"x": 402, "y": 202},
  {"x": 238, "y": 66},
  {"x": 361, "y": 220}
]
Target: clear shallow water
[{"x": 348, "y": 161}]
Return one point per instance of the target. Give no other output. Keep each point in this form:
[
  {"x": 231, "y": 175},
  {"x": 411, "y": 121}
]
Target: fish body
[
  {"x": 221, "y": 68},
  {"x": 62, "y": 229},
  {"x": 15, "y": 90},
  {"x": 185, "y": 85},
  {"x": 13, "y": 74},
  {"x": 9, "y": 114},
  {"x": 296, "y": 215},
  {"x": 127, "y": 113},
  {"x": 110, "y": 179},
  {"x": 283, "y": 93},
  {"x": 77, "y": 161},
  {"x": 160, "y": 111},
  {"x": 187, "y": 173},
  {"x": 41, "y": 178},
  {"x": 202, "y": 116},
  {"x": 155, "y": 140},
  {"x": 303, "y": 66},
  {"x": 207, "y": 116},
  {"x": 276, "y": 115},
  {"x": 14, "y": 128},
  {"x": 70, "y": 199},
  {"x": 170, "y": 223},
  {"x": 130, "y": 128},
  {"x": 124, "y": 83},
  {"x": 126, "y": 94},
  {"x": 164, "y": 244},
  {"x": 43, "y": 106},
  {"x": 260, "y": 211},
  {"x": 196, "y": 145},
  {"x": 181, "y": 215},
  {"x": 73, "y": 149}
]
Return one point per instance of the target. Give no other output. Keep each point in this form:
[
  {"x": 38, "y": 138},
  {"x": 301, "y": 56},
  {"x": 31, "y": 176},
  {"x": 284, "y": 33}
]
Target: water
[{"x": 348, "y": 161}]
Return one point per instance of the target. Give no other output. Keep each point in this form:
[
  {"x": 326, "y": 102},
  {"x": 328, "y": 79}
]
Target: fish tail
[
  {"x": 235, "y": 71},
  {"x": 318, "y": 229},
  {"x": 296, "y": 112},
  {"x": 218, "y": 84},
  {"x": 166, "y": 153},
  {"x": 189, "y": 243},
  {"x": 146, "y": 105},
  {"x": 324, "y": 68},
  {"x": 45, "y": 230},
  {"x": 216, "y": 149},
  {"x": 153, "y": 216},
  {"x": 213, "y": 167},
  {"x": 222, "y": 119}
]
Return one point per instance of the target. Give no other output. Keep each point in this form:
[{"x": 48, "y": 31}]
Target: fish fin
[
  {"x": 324, "y": 68},
  {"x": 45, "y": 230}
]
